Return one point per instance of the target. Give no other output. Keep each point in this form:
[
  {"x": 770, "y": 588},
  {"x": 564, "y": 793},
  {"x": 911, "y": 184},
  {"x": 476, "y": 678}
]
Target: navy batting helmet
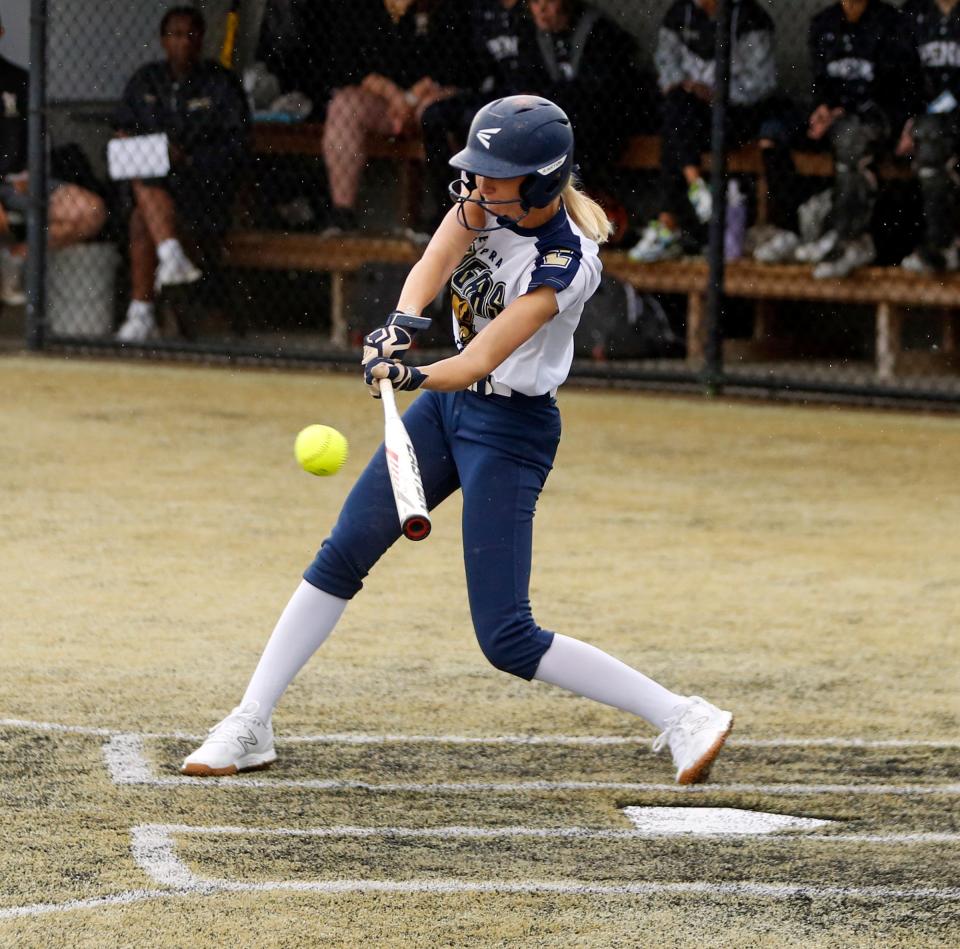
[{"x": 513, "y": 137}]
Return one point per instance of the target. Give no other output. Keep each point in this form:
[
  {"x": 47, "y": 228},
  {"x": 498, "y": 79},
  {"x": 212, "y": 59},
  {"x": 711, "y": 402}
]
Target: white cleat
[
  {"x": 695, "y": 732},
  {"x": 241, "y": 742}
]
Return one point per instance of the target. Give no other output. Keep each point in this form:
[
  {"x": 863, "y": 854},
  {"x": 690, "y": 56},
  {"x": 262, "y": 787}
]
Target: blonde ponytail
[{"x": 586, "y": 213}]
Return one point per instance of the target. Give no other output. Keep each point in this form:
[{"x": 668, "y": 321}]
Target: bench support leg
[
  {"x": 948, "y": 338},
  {"x": 338, "y": 320},
  {"x": 696, "y": 330},
  {"x": 889, "y": 320}
]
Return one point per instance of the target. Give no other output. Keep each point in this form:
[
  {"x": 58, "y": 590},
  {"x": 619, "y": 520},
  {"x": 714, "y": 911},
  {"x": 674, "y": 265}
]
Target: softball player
[{"x": 520, "y": 249}]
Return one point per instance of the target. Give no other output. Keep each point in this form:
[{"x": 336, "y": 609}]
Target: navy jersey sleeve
[{"x": 556, "y": 267}]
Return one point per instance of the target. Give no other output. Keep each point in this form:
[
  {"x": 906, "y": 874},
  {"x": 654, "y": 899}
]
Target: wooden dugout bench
[{"x": 888, "y": 290}]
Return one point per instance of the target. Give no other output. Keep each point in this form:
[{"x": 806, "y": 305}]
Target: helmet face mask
[
  {"x": 524, "y": 137},
  {"x": 467, "y": 182}
]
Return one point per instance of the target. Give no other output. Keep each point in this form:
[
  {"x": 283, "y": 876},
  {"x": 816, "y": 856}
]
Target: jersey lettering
[
  {"x": 475, "y": 293},
  {"x": 851, "y": 68},
  {"x": 941, "y": 53}
]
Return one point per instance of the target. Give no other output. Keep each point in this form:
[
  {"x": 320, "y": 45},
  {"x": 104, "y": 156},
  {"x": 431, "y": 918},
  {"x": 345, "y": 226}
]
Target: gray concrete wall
[{"x": 15, "y": 42}]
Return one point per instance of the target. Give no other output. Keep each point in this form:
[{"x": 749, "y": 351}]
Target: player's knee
[
  {"x": 934, "y": 147},
  {"x": 513, "y": 645},
  {"x": 853, "y": 140}
]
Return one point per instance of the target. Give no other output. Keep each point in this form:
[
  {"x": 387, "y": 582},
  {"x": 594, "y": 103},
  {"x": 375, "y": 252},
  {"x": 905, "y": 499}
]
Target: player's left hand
[
  {"x": 405, "y": 378},
  {"x": 386, "y": 342}
]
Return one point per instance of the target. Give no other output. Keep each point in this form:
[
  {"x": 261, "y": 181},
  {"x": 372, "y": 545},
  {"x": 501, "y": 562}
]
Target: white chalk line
[
  {"x": 127, "y": 764},
  {"x": 355, "y": 738},
  {"x": 153, "y": 849},
  {"x": 98, "y": 902},
  {"x": 578, "y": 833}
]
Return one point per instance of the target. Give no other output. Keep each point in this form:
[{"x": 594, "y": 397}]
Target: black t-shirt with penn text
[{"x": 935, "y": 36}]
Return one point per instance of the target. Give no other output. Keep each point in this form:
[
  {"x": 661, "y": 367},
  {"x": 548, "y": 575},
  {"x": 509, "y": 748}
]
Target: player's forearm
[
  {"x": 423, "y": 283},
  {"x": 456, "y": 373}
]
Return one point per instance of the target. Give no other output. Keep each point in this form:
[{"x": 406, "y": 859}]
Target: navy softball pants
[{"x": 498, "y": 450}]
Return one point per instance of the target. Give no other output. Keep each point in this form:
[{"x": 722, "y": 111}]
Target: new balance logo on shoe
[{"x": 248, "y": 741}]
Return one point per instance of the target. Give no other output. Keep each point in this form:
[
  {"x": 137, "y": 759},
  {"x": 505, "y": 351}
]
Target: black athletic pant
[{"x": 685, "y": 135}]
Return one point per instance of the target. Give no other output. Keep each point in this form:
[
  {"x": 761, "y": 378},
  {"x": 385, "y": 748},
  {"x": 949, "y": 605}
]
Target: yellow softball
[{"x": 320, "y": 449}]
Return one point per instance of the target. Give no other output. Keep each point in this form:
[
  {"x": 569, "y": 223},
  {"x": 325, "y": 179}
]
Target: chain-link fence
[{"x": 258, "y": 177}]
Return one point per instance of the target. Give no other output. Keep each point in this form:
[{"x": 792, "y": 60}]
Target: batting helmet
[{"x": 513, "y": 137}]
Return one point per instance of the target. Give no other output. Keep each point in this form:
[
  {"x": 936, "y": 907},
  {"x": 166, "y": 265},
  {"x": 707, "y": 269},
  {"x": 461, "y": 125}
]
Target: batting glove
[
  {"x": 394, "y": 338},
  {"x": 386, "y": 342},
  {"x": 402, "y": 377}
]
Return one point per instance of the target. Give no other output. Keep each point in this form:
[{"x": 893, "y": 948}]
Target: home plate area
[
  {"x": 872, "y": 822},
  {"x": 565, "y": 814}
]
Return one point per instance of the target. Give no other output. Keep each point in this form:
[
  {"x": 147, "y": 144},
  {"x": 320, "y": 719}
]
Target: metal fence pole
[
  {"x": 37, "y": 168},
  {"x": 713, "y": 362}
]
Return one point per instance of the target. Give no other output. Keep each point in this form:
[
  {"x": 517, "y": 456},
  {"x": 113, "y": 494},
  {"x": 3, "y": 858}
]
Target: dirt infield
[{"x": 799, "y": 566}]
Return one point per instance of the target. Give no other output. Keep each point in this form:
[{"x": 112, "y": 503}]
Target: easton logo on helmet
[
  {"x": 484, "y": 136},
  {"x": 553, "y": 166}
]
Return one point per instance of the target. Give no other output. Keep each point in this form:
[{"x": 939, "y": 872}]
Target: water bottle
[{"x": 736, "y": 227}]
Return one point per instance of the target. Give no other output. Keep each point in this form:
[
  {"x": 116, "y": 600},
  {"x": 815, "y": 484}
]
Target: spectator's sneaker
[
  {"x": 176, "y": 271},
  {"x": 11, "y": 278},
  {"x": 816, "y": 250},
  {"x": 241, "y": 742},
  {"x": 846, "y": 258},
  {"x": 139, "y": 326},
  {"x": 778, "y": 249},
  {"x": 927, "y": 260},
  {"x": 695, "y": 732},
  {"x": 658, "y": 242},
  {"x": 701, "y": 199}
]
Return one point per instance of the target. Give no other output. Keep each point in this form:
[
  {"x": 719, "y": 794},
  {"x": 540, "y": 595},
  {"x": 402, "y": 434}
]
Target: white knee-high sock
[
  {"x": 306, "y": 621},
  {"x": 590, "y": 672}
]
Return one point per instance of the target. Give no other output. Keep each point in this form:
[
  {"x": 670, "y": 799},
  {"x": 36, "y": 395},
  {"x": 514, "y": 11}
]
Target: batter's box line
[
  {"x": 153, "y": 850},
  {"x": 127, "y": 764},
  {"x": 359, "y": 738}
]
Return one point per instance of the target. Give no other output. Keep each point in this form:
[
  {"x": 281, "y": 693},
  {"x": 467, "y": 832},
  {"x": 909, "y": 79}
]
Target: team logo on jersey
[
  {"x": 474, "y": 294},
  {"x": 484, "y": 136},
  {"x": 557, "y": 258}
]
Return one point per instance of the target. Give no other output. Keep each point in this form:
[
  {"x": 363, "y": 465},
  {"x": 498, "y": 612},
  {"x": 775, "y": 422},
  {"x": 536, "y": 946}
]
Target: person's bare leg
[
  {"x": 353, "y": 112},
  {"x": 74, "y": 214},
  {"x": 158, "y": 210},
  {"x": 143, "y": 258},
  {"x": 159, "y": 214},
  {"x": 669, "y": 220}
]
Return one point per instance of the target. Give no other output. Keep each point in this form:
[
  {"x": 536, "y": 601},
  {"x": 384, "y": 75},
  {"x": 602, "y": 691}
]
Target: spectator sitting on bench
[
  {"x": 421, "y": 49},
  {"x": 497, "y": 29},
  {"x": 74, "y": 214},
  {"x": 686, "y": 66},
  {"x": 580, "y": 59},
  {"x": 933, "y": 138},
  {"x": 203, "y": 111},
  {"x": 864, "y": 84}
]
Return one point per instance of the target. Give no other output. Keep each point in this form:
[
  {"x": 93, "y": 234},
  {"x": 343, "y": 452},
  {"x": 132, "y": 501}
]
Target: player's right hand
[{"x": 401, "y": 377}]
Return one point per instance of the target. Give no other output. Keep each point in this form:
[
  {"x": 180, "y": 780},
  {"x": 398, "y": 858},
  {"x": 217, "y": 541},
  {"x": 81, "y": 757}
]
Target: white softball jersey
[{"x": 504, "y": 264}]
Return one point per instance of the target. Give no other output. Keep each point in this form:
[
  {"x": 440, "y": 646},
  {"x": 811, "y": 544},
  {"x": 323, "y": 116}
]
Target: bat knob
[{"x": 416, "y": 527}]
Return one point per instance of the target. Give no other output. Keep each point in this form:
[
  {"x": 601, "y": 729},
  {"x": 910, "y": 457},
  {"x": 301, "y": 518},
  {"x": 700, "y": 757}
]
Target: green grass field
[{"x": 800, "y": 566}]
